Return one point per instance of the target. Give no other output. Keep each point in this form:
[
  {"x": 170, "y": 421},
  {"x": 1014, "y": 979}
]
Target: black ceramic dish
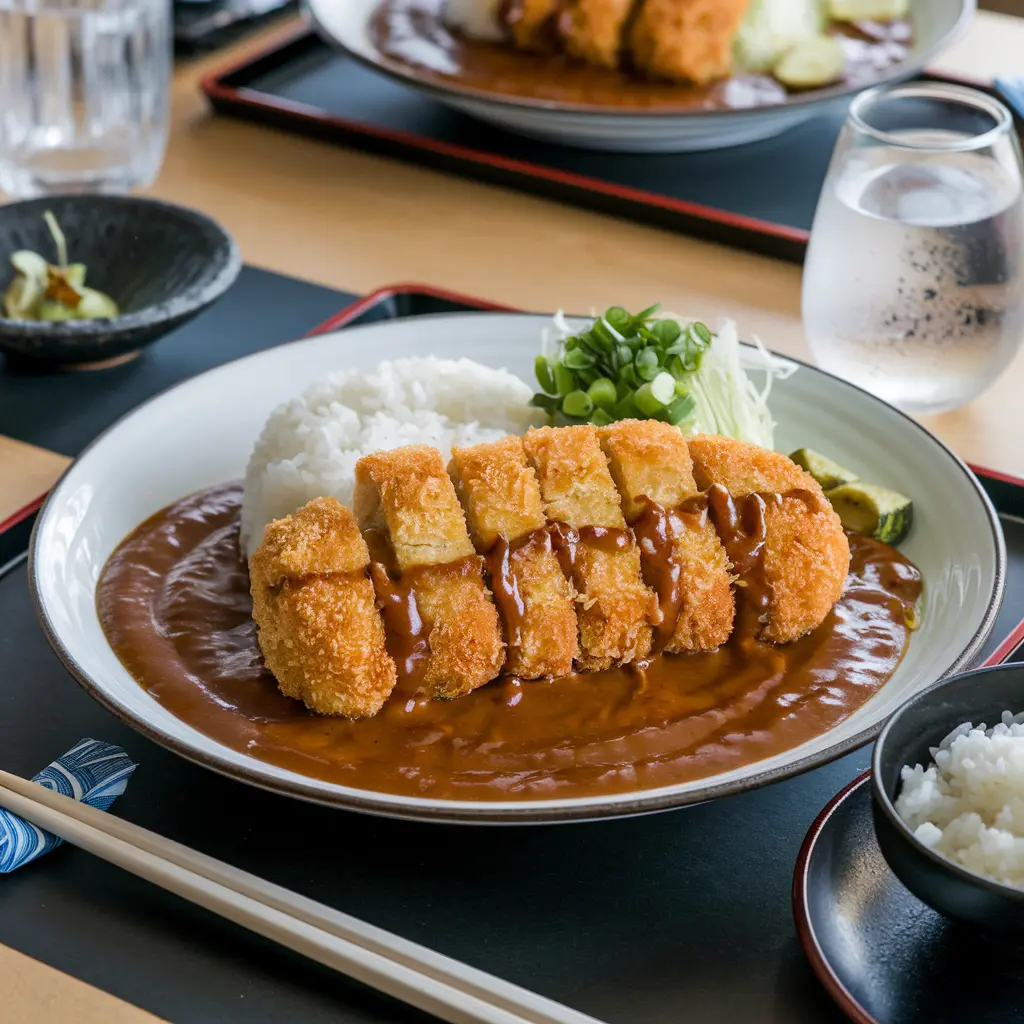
[
  {"x": 920, "y": 724},
  {"x": 883, "y": 956},
  {"x": 161, "y": 263}
]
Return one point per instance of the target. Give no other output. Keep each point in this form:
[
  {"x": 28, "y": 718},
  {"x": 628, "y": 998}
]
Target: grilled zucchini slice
[
  {"x": 866, "y": 508},
  {"x": 868, "y": 10},
  {"x": 814, "y": 61},
  {"x": 825, "y": 471}
]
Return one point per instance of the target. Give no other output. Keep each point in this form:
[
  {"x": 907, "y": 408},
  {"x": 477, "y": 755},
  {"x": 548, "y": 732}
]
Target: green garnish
[
  {"x": 623, "y": 366},
  {"x": 44, "y": 291}
]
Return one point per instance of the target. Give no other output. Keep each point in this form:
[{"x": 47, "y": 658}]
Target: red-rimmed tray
[{"x": 759, "y": 197}]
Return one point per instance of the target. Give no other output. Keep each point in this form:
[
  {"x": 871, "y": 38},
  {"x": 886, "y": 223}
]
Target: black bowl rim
[
  {"x": 175, "y": 307},
  {"x": 888, "y": 808}
]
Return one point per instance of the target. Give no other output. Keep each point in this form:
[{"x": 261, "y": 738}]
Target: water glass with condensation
[
  {"x": 84, "y": 94},
  {"x": 914, "y": 277}
]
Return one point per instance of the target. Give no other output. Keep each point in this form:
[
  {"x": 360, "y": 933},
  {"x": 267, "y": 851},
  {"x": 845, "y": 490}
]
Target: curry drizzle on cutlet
[
  {"x": 656, "y": 532},
  {"x": 174, "y": 603}
]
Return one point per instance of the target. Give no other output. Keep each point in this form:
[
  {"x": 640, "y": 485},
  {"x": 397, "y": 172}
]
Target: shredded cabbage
[{"x": 727, "y": 400}]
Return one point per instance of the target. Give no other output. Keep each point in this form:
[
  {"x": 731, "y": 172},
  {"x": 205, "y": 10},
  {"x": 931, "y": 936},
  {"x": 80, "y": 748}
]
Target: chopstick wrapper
[{"x": 93, "y": 772}]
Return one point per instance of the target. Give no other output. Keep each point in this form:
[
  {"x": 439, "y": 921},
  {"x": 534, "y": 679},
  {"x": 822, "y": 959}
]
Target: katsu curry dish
[
  {"x": 433, "y": 583},
  {"x": 644, "y": 54}
]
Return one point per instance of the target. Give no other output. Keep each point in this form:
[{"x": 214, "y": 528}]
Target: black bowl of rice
[{"x": 948, "y": 788}]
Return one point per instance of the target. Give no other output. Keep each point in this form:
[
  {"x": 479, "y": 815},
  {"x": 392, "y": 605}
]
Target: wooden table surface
[{"x": 354, "y": 221}]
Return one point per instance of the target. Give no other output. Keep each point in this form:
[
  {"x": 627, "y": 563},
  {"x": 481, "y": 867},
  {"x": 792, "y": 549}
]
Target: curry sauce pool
[{"x": 174, "y": 603}]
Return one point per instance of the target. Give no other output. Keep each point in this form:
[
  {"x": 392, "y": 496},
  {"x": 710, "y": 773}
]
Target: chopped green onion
[
  {"x": 647, "y": 402},
  {"x": 580, "y": 359},
  {"x": 666, "y": 331},
  {"x": 646, "y": 365},
  {"x": 663, "y": 387},
  {"x": 577, "y": 403},
  {"x": 545, "y": 375},
  {"x": 549, "y": 403},
  {"x": 603, "y": 393},
  {"x": 624, "y": 366},
  {"x": 565, "y": 381},
  {"x": 619, "y": 318},
  {"x": 680, "y": 409}
]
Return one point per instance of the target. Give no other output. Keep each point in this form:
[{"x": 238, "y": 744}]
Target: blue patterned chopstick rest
[
  {"x": 93, "y": 772},
  {"x": 1011, "y": 88}
]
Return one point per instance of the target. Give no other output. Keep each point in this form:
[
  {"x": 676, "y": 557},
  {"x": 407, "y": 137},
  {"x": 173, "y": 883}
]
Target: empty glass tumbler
[
  {"x": 914, "y": 277},
  {"x": 84, "y": 94}
]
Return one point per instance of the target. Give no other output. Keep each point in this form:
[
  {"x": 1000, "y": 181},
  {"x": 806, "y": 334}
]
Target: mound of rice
[
  {"x": 969, "y": 804},
  {"x": 309, "y": 446}
]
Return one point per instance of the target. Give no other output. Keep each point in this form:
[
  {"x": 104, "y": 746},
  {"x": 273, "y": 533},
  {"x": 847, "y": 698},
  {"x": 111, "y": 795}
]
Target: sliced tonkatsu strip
[
  {"x": 501, "y": 497},
  {"x": 806, "y": 554},
  {"x": 649, "y": 459},
  {"x": 686, "y": 40},
  {"x": 318, "y": 624},
  {"x": 614, "y": 607},
  {"x": 531, "y": 23},
  {"x": 407, "y": 497},
  {"x": 595, "y": 30}
]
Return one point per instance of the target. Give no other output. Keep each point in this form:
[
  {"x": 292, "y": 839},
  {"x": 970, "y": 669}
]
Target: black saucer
[{"x": 884, "y": 956}]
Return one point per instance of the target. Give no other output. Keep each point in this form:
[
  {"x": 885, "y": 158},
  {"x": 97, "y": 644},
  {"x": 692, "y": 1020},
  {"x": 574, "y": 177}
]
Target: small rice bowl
[
  {"x": 310, "y": 445},
  {"x": 968, "y": 805}
]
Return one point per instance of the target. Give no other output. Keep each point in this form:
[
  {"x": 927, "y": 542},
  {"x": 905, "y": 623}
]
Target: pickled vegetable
[{"x": 813, "y": 62}]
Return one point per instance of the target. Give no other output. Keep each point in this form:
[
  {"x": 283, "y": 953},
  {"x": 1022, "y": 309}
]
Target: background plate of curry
[
  {"x": 688, "y": 728},
  {"x": 643, "y": 75}
]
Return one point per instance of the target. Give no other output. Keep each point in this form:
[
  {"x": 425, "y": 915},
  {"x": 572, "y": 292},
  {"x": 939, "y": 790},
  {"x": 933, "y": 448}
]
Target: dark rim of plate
[
  {"x": 889, "y": 809},
  {"x": 175, "y": 306},
  {"x": 801, "y": 914},
  {"x": 513, "y": 811},
  {"x": 912, "y": 65}
]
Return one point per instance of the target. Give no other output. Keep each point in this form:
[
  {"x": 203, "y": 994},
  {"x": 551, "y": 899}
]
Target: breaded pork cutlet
[
  {"x": 407, "y": 496},
  {"x": 686, "y": 40},
  {"x": 318, "y": 624},
  {"x": 501, "y": 498},
  {"x": 615, "y": 608},
  {"x": 531, "y": 23},
  {"x": 806, "y": 554},
  {"x": 594, "y": 30},
  {"x": 649, "y": 459}
]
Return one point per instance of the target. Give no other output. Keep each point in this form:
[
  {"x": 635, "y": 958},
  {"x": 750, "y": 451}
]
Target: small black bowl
[
  {"x": 162, "y": 264},
  {"x": 923, "y": 722}
]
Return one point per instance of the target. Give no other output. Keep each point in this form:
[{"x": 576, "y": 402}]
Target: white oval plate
[
  {"x": 345, "y": 24},
  {"x": 200, "y": 433}
]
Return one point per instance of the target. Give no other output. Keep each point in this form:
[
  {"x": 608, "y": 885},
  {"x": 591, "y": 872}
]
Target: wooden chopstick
[{"x": 447, "y": 988}]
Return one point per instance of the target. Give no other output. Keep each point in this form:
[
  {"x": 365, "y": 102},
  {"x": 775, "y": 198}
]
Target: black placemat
[
  {"x": 682, "y": 916},
  {"x": 65, "y": 411}
]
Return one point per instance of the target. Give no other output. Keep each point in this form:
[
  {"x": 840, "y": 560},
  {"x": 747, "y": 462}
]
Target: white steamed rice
[
  {"x": 968, "y": 805},
  {"x": 310, "y": 445}
]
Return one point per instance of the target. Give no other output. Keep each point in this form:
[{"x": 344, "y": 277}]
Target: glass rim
[{"x": 932, "y": 90}]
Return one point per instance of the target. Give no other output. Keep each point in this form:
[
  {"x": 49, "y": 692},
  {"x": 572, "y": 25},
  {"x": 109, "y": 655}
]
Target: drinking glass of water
[
  {"x": 913, "y": 282},
  {"x": 84, "y": 94}
]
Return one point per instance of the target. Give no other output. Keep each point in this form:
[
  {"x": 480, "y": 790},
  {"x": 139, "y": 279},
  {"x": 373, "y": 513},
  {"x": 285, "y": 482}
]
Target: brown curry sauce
[
  {"x": 411, "y": 37},
  {"x": 174, "y": 603}
]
